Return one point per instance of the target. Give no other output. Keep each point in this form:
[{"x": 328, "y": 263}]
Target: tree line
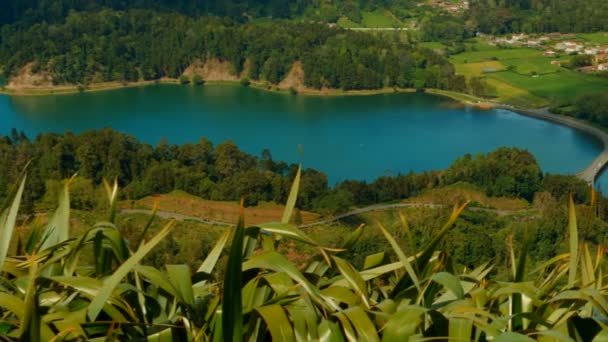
[
  {"x": 224, "y": 172},
  {"x": 109, "y": 45},
  {"x": 501, "y": 17}
]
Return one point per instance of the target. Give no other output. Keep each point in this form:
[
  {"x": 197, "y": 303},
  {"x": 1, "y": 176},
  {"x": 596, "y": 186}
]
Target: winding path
[
  {"x": 590, "y": 173},
  {"x": 377, "y": 207}
]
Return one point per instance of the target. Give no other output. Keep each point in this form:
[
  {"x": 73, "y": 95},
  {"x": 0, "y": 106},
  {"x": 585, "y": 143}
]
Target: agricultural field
[
  {"x": 563, "y": 86},
  {"x": 344, "y": 22},
  {"x": 534, "y": 66},
  {"x": 524, "y": 77},
  {"x": 380, "y": 18},
  {"x": 433, "y": 45},
  {"x": 478, "y": 69},
  {"x": 598, "y": 37},
  {"x": 182, "y": 203},
  {"x": 496, "y": 54}
]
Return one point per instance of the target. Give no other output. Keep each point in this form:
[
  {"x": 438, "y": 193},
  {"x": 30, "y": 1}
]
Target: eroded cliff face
[
  {"x": 294, "y": 78},
  {"x": 27, "y": 79}
]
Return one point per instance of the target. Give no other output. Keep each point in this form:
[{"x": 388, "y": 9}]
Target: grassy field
[
  {"x": 477, "y": 69},
  {"x": 534, "y": 65},
  {"x": 180, "y": 202},
  {"x": 526, "y": 78},
  {"x": 344, "y": 22},
  {"x": 379, "y": 18},
  {"x": 495, "y": 54},
  {"x": 599, "y": 37},
  {"x": 433, "y": 45},
  {"x": 520, "y": 97},
  {"x": 459, "y": 191},
  {"x": 561, "y": 86}
]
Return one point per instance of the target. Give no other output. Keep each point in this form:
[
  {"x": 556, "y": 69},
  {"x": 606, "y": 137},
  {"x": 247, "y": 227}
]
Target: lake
[{"x": 347, "y": 137}]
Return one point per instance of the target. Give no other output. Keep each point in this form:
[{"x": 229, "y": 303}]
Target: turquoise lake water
[{"x": 348, "y": 137}]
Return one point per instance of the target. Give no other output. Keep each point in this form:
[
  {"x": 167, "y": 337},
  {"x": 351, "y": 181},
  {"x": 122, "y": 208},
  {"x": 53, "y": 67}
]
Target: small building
[
  {"x": 556, "y": 62},
  {"x": 591, "y": 51},
  {"x": 587, "y": 69},
  {"x": 532, "y": 43},
  {"x": 549, "y": 53},
  {"x": 602, "y": 67}
]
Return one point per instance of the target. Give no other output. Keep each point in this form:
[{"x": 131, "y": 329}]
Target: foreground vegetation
[{"x": 52, "y": 288}]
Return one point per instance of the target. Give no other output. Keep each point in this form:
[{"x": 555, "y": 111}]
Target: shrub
[
  {"x": 293, "y": 91},
  {"x": 183, "y": 80},
  {"x": 198, "y": 80},
  {"x": 245, "y": 82}
]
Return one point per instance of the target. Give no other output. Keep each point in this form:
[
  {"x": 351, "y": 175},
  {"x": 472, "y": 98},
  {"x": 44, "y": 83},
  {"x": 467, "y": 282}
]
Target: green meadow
[{"x": 525, "y": 78}]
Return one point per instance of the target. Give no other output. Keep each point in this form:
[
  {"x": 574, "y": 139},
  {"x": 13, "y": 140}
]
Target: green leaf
[
  {"x": 179, "y": 275},
  {"x": 423, "y": 258},
  {"x": 209, "y": 264},
  {"x": 402, "y": 257},
  {"x": 58, "y": 228},
  {"x": 158, "y": 279},
  {"x": 293, "y": 197},
  {"x": 451, "y": 282},
  {"x": 460, "y": 330},
  {"x": 289, "y": 231},
  {"x": 330, "y": 332},
  {"x": 12, "y": 304},
  {"x": 403, "y": 324},
  {"x": 8, "y": 219},
  {"x": 277, "y": 322},
  {"x": 366, "y": 331},
  {"x": 353, "y": 238},
  {"x": 112, "y": 193},
  {"x": 162, "y": 336},
  {"x": 274, "y": 261},
  {"x": 373, "y": 260},
  {"x": 513, "y": 337},
  {"x": 353, "y": 278},
  {"x": 111, "y": 282},
  {"x": 232, "y": 305},
  {"x": 573, "y": 242},
  {"x": 602, "y": 336}
]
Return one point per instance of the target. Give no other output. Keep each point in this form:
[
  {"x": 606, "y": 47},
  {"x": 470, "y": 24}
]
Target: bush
[
  {"x": 293, "y": 91},
  {"x": 183, "y": 80},
  {"x": 245, "y": 82},
  {"x": 198, "y": 80}
]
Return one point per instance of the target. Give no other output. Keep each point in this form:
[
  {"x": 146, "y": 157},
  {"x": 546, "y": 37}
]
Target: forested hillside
[
  {"x": 136, "y": 45},
  {"x": 31, "y": 11},
  {"x": 501, "y": 17},
  {"x": 224, "y": 172}
]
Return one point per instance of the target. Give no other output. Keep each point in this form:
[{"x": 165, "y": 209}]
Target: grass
[
  {"x": 598, "y": 37},
  {"x": 529, "y": 66},
  {"x": 457, "y": 192},
  {"x": 182, "y": 203},
  {"x": 525, "y": 78},
  {"x": 476, "y": 44},
  {"x": 520, "y": 97},
  {"x": 498, "y": 54},
  {"x": 563, "y": 86},
  {"x": 433, "y": 45},
  {"x": 344, "y": 22},
  {"x": 379, "y": 18},
  {"x": 477, "y": 69}
]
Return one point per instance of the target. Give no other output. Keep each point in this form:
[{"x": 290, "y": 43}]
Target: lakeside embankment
[{"x": 107, "y": 86}]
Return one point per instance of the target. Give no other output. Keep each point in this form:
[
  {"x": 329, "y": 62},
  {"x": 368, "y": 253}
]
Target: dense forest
[
  {"x": 592, "y": 107},
  {"x": 32, "y": 11},
  {"x": 110, "y": 45},
  {"x": 223, "y": 172},
  {"x": 500, "y": 17}
]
